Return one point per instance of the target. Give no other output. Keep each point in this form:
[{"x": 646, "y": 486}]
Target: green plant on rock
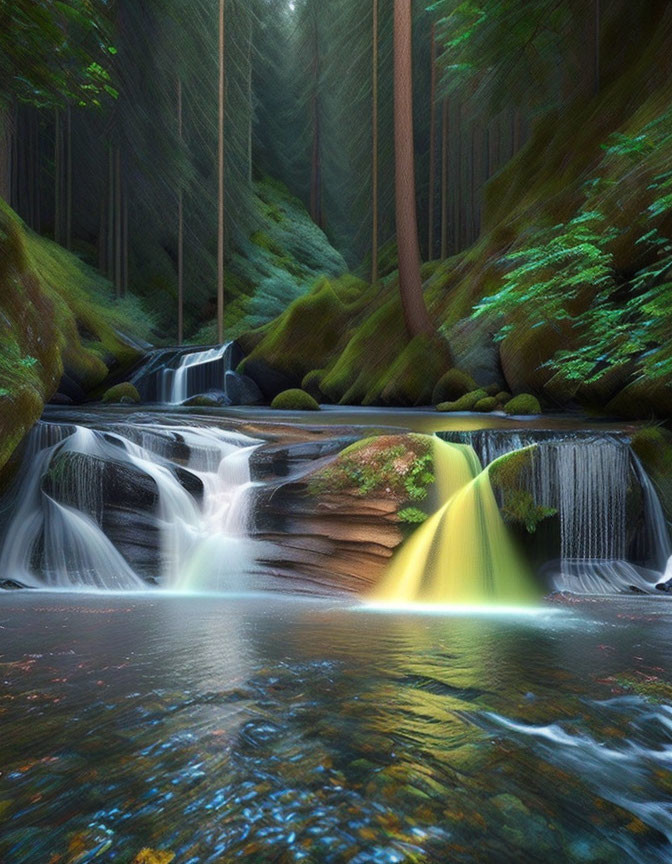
[
  {"x": 420, "y": 478},
  {"x": 520, "y": 508},
  {"x": 412, "y": 516}
]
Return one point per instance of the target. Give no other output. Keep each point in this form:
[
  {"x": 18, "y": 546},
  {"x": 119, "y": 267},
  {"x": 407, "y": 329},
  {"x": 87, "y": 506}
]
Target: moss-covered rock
[
  {"x": 311, "y": 384},
  {"x": 503, "y": 397},
  {"x": 653, "y": 446},
  {"x": 452, "y": 386},
  {"x": 56, "y": 314},
  {"x": 485, "y": 406},
  {"x": 524, "y": 404},
  {"x": 465, "y": 403},
  {"x": 643, "y": 399},
  {"x": 122, "y": 393},
  {"x": 295, "y": 400}
]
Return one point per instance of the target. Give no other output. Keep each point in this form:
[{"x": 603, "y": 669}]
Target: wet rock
[
  {"x": 61, "y": 399},
  {"x": 242, "y": 390},
  {"x": 665, "y": 587},
  {"x": 270, "y": 381}
]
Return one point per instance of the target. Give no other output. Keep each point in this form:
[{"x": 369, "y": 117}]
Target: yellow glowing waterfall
[{"x": 462, "y": 554}]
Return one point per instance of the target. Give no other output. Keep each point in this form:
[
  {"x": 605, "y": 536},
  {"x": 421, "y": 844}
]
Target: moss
[
  {"x": 311, "y": 383},
  {"x": 503, "y": 397},
  {"x": 453, "y": 385},
  {"x": 202, "y": 402},
  {"x": 525, "y": 404},
  {"x": 507, "y": 472},
  {"x": 465, "y": 403},
  {"x": 643, "y": 399},
  {"x": 653, "y": 446},
  {"x": 295, "y": 400},
  {"x": 508, "y": 478},
  {"x": 265, "y": 242},
  {"x": 55, "y": 314},
  {"x": 484, "y": 406},
  {"x": 391, "y": 466},
  {"x": 124, "y": 392}
]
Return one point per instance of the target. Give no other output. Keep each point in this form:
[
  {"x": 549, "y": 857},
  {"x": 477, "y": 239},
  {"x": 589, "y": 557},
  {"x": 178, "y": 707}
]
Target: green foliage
[
  {"x": 420, "y": 477},
  {"x": 295, "y": 400},
  {"x": 520, "y": 508},
  {"x": 412, "y": 516},
  {"x": 52, "y": 53}
]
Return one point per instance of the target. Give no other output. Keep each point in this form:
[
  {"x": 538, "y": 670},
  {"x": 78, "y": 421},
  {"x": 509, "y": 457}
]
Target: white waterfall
[
  {"x": 196, "y": 373},
  {"x": 587, "y": 478},
  {"x": 57, "y": 537}
]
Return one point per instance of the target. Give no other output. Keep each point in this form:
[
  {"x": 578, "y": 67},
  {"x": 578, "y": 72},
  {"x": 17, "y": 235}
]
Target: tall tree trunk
[
  {"x": 57, "y": 176},
  {"x": 102, "y": 233},
  {"x": 110, "y": 212},
  {"x": 316, "y": 165},
  {"x": 250, "y": 102},
  {"x": 180, "y": 229},
  {"x": 124, "y": 246},
  {"x": 432, "y": 147},
  {"x": 68, "y": 197},
  {"x": 444, "y": 179},
  {"x": 410, "y": 283},
  {"x": 6, "y": 148},
  {"x": 14, "y": 177},
  {"x": 374, "y": 152},
  {"x": 220, "y": 171},
  {"x": 38, "y": 174},
  {"x": 117, "y": 224},
  {"x": 598, "y": 40}
]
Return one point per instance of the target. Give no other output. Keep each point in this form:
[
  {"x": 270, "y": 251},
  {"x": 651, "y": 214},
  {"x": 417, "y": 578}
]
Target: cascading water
[
  {"x": 588, "y": 478},
  {"x": 116, "y": 507},
  {"x": 462, "y": 554}
]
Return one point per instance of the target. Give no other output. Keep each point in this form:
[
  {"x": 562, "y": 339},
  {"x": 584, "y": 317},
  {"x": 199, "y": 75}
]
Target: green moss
[
  {"x": 124, "y": 392},
  {"x": 311, "y": 383},
  {"x": 503, "y": 397},
  {"x": 452, "y": 386},
  {"x": 507, "y": 472},
  {"x": 465, "y": 403},
  {"x": 525, "y": 404},
  {"x": 487, "y": 405},
  {"x": 653, "y": 446},
  {"x": 295, "y": 400},
  {"x": 265, "y": 242},
  {"x": 397, "y": 467},
  {"x": 55, "y": 314}
]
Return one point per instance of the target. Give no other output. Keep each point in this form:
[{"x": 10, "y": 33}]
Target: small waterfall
[
  {"x": 173, "y": 376},
  {"x": 462, "y": 554},
  {"x": 117, "y": 507},
  {"x": 588, "y": 479}
]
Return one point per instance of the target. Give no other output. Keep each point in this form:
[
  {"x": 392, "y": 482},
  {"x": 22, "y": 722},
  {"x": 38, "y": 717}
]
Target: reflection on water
[{"x": 223, "y": 729}]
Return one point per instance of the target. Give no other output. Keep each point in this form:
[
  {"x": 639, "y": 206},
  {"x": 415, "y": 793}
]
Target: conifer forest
[{"x": 335, "y": 431}]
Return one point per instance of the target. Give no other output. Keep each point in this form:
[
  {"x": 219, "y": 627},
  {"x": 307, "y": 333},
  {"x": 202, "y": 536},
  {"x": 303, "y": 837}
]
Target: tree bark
[
  {"x": 374, "y": 152},
  {"x": 110, "y": 212},
  {"x": 124, "y": 234},
  {"x": 316, "y": 165},
  {"x": 68, "y": 198},
  {"x": 180, "y": 229},
  {"x": 57, "y": 177},
  {"x": 220, "y": 171},
  {"x": 118, "y": 225},
  {"x": 444, "y": 179},
  {"x": 6, "y": 149},
  {"x": 416, "y": 316},
  {"x": 432, "y": 147},
  {"x": 598, "y": 22}
]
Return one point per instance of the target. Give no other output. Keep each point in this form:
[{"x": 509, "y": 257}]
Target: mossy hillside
[
  {"x": 56, "y": 314},
  {"x": 567, "y": 224},
  {"x": 388, "y": 466},
  {"x": 276, "y": 265}
]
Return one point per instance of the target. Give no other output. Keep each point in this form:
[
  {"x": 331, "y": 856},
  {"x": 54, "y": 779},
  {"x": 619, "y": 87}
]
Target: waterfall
[
  {"x": 173, "y": 376},
  {"x": 462, "y": 554},
  {"x": 115, "y": 507},
  {"x": 587, "y": 478}
]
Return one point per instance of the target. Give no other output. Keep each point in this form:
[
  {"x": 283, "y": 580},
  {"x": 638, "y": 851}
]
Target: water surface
[{"x": 272, "y": 729}]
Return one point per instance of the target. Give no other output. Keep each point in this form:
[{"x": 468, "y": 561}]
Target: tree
[
  {"x": 416, "y": 316},
  {"x": 374, "y": 154},
  {"x": 220, "y": 173}
]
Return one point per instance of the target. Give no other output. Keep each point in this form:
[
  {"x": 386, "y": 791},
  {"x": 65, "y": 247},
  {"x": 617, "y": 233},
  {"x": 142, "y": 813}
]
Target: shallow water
[{"x": 274, "y": 729}]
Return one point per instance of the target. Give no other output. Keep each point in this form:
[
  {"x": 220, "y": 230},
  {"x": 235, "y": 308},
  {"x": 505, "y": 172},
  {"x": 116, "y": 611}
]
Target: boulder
[
  {"x": 484, "y": 406},
  {"x": 242, "y": 390},
  {"x": 295, "y": 400},
  {"x": 270, "y": 381},
  {"x": 122, "y": 393},
  {"x": 465, "y": 403},
  {"x": 452, "y": 386},
  {"x": 522, "y": 405}
]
